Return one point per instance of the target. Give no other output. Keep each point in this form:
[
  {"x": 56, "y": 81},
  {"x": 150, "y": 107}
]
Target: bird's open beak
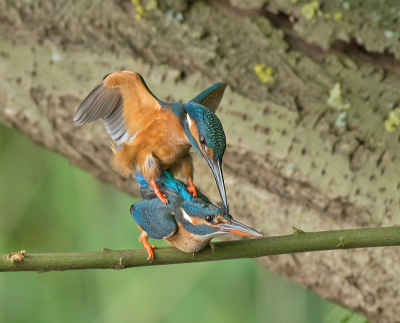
[
  {"x": 236, "y": 227},
  {"x": 216, "y": 168}
]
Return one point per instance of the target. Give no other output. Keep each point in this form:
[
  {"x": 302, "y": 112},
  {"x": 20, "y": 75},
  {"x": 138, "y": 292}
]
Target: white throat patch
[
  {"x": 188, "y": 119},
  {"x": 186, "y": 216}
]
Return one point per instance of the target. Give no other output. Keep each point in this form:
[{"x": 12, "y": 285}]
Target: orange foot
[
  {"x": 149, "y": 249},
  {"x": 191, "y": 188},
  {"x": 157, "y": 192}
]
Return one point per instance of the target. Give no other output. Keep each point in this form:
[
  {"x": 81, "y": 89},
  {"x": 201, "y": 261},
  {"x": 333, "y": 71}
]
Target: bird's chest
[
  {"x": 186, "y": 241},
  {"x": 172, "y": 144},
  {"x": 171, "y": 153}
]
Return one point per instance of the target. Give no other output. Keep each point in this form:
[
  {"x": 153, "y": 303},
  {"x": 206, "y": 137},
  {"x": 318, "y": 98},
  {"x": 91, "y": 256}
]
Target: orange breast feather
[
  {"x": 164, "y": 139},
  {"x": 173, "y": 144},
  {"x": 186, "y": 241}
]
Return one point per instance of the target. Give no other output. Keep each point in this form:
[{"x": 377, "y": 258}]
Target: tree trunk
[{"x": 291, "y": 159}]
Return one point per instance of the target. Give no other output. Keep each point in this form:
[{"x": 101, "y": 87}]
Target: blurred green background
[{"x": 49, "y": 206}]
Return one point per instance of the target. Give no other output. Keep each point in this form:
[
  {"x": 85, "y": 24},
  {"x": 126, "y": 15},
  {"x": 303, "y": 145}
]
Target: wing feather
[
  {"x": 116, "y": 114},
  {"x": 124, "y": 102},
  {"x": 111, "y": 124},
  {"x": 154, "y": 217},
  {"x": 115, "y": 128}
]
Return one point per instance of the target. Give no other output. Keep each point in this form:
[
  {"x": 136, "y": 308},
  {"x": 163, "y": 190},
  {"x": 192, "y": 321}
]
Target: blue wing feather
[{"x": 154, "y": 217}]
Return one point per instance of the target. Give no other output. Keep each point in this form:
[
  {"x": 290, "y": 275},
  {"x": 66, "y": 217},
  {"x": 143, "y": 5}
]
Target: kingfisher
[
  {"x": 187, "y": 223},
  {"x": 151, "y": 135}
]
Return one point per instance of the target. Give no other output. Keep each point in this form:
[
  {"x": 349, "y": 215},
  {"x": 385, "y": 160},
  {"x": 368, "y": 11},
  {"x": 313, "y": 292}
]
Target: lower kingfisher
[
  {"x": 187, "y": 223},
  {"x": 151, "y": 135}
]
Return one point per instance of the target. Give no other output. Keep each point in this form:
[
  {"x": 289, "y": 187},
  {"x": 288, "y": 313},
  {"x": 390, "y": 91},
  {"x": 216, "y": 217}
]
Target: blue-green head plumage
[
  {"x": 208, "y": 221},
  {"x": 206, "y": 135},
  {"x": 202, "y": 218},
  {"x": 210, "y": 133}
]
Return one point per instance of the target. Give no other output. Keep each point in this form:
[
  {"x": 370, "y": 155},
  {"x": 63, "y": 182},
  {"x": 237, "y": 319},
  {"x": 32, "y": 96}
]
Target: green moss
[
  {"x": 393, "y": 120},
  {"x": 337, "y": 16},
  {"x": 264, "y": 73},
  {"x": 151, "y": 5},
  {"x": 310, "y": 10},
  {"x": 336, "y": 100},
  {"x": 341, "y": 120},
  {"x": 141, "y": 11}
]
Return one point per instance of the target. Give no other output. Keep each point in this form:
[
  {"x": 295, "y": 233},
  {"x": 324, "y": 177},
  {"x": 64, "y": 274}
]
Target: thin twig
[{"x": 120, "y": 259}]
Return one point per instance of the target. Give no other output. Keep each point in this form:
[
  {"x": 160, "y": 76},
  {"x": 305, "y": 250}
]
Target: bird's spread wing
[
  {"x": 124, "y": 102},
  {"x": 211, "y": 97},
  {"x": 154, "y": 217}
]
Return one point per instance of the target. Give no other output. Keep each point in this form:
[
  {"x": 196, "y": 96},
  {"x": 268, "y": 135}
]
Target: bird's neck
[{"x": 183, "y": 120}]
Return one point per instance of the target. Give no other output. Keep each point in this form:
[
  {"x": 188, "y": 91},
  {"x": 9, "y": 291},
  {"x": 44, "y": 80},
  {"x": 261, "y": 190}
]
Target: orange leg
[
  {"x": 148, "y": 248},
  {"x": 191, "y": 188},
  {"x": 161, "y": 196}
]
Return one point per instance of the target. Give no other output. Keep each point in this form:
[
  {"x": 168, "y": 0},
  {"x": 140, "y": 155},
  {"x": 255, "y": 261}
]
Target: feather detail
[
  {"x": 153, "y": 149},
  {"x": 141, "y": 108},
  {"x": 125, "y": 104},
  {"x": 122, "y": 158},
  {"x": 186, "y": 167},
  {"x": 134, "y": 154}
]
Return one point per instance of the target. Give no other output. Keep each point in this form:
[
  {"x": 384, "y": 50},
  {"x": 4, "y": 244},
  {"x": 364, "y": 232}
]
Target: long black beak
[
  {"x": 236, "y": 227},
  {"x": 216, "y": 168}
]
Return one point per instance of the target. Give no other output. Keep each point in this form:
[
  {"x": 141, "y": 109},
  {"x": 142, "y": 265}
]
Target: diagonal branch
[{"x": 294, "y": 243}]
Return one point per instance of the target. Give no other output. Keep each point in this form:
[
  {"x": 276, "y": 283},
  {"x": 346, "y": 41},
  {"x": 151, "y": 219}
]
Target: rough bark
[{"x": 289, "y": 162}]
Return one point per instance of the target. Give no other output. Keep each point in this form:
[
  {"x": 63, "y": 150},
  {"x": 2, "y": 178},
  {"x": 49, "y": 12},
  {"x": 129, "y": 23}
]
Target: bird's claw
[
  {"x": 162, "y": 197},
  {"x": 148, "y": 248},
  {"x": 150, "y": 251},
  {"x": 157, "y": 192},
  {"x": 191, "y": 188}
]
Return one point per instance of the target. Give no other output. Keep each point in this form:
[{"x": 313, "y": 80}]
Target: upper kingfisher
[
  {"x": 151, "y": 135},
  {"x": 187, "y": 223}
]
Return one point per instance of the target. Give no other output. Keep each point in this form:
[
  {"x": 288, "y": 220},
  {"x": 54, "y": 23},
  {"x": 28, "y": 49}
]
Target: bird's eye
[
  {"x": 202, "y": 140},
  {"x": 209, "y": 218}
]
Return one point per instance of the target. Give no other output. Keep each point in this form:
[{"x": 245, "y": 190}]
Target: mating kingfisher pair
[
  {"x": 186, "y": 222},
  {"x": 151, "y": 136}
]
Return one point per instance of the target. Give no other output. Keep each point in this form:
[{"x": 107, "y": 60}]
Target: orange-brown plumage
[
  {"x": 140, "y": 107},
  {"x": 164, "y": 140},
  {"x": 149, "y": 135},
  {"x": 187, "y": 241}
]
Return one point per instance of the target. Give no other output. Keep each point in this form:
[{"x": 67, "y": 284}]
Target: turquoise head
[
  {"x": 208, "y": 221},
  {"x": 205, "y": 133}
]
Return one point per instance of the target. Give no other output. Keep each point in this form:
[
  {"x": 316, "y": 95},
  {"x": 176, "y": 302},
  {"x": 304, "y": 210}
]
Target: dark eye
[
  {"x": 202, "y": 140},
  {"x": 209, "y": 218}
]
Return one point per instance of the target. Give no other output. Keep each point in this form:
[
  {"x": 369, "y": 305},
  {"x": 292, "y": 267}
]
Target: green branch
[{"x": 119, "y": 259}]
